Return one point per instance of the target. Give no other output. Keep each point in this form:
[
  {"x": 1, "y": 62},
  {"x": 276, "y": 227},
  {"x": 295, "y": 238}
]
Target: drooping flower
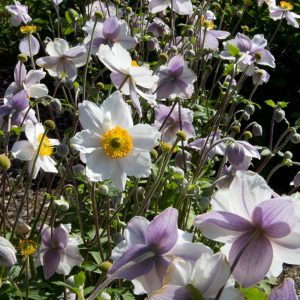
[
  {"x": 207, "y": 275},
  {"x": 7, "y": 253},
  {"x": 158, "y": 27},
  {"x": 19, "y": 14},
  {"x": 260, "y": 76},
  {"x": 29, "y": 82},
  {"x": 259, "y": 232},
  {"x": 173, "y": 122},
  {"x": 127, "y": 75},
  {"x": 252, "y": 52},
  {"x": 58, "y": 252},
  {"x": 175, "y": 79},
  {"x": 16, "y": 106},
  {"x": 181, "y": 7},
  {"x": 284, "y": 11},
  {"x": 112, "y": 145},
  {"x": 27, "y": 150},
  {"x": 62, "y": 60},
  {"x": 162, "y": 240},
  {"x": 111, "y": 31},
  {"x": 29, "y": 44},
  {"x": 286, "y": 291}
]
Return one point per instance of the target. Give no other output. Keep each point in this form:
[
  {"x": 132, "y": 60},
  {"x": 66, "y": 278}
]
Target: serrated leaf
[
  {"x": 254, "y": 294},
  {"x": 270, "y": 103},
  {"x": 233, "y": 50}
]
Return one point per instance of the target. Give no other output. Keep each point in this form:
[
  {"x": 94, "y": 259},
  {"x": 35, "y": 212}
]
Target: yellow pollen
[
  {"x": 28, "y": 29},
  {"x": 46, "y": 148},
  {"x": 134, "y": 63},
  {"x": 286, "y": 5},
  {"x": 27, "y": 247},
  {"x": 117, "y": 142},
  {"x": 207, "y": 24}
]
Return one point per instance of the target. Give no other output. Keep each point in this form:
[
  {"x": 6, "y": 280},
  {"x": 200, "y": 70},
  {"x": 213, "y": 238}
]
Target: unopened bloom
[
  {"x": 207, "y": 275},
  {"x": 173, "y": 122},
  {"x": 182, "y": 7},
  {"x": 27, "y": 150},
  {"x": 19, "y": 14},
  {"x": 62, "y": 60},
  {"x": 16, "y": 110},
  {"x": 158, "y": 27},
  {"x": 29, "y": 82},
  {"x": 176, "y": 79},
  {"x": 111, "y": 31},
  {"x": 7, "y": 253},
  {"x": 126, "y": 74},
  {"x": 259, "y": 232},
  {"x": 161, "y": 240},
  {"x": 113, "y": 146},
  {"x": 59, "y": 252},
  {"x": 286, "y": 291},
  {"x": 284, "y": 11}
]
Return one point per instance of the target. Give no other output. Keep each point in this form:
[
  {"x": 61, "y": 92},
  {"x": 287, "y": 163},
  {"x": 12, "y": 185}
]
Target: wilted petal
[{"x": 286, "y": 291}]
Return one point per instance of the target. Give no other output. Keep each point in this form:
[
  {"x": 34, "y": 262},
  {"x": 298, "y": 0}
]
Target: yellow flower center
[
  {"x": 286, "y": 5},
  {"x": 117, "y": 142},
  {"x": 207, "y": 24},
  {"x": 27, "y": 247},
  {"x": 28, "y": 29},
  {"x": 46, "y": 147},
  {"x": 134, "y": 63}
]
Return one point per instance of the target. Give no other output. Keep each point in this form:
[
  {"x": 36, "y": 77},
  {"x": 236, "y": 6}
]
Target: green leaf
[
  {"x": 79, "y": 279},
  {"x": 196, "y": 295},
  {"x": 254, "y": 293},
  {"x": 233, "y": 50},
  {"x": 282, "y": 104},
  {"x": 270, "y": 103}
]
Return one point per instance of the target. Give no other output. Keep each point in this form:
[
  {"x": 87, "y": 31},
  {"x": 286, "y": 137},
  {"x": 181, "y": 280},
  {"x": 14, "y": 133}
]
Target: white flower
[
  {"x": 27, "y": 150},
  {"x": 127, "y": 74},
  {"x": 112, "y": 145}
]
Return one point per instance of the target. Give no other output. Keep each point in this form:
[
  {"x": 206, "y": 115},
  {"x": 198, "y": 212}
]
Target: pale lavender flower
[
  {"x": 29, "y": 82},
  {"x": 158, "y": 27},
  {"x": 260, "y": 76},
  {"x": 286, "y": 291},
  {"x": 182, "y": 7},
  {"x": 175, "y": 79},
  {"x": 16, "y": 107},
  {"x": 259, "y": 232},
  {"x": 108, "y": 10},
  {"x": 31, "y": 49},
  {"x": 162, "y": 240},
  {"x": 62, "y": 60},
  {"x": 174, "y": 122},
  {"x": 7, "y": 253},
  {"x": 252, "y": 52},
  {"x": 207, "y": 275},
  {"x": 296, "y": 180},
  {"x": 111, "y": 31},
  {"x": 58, "y": 252},
  {"x": 211, "y": 38},
  {"x": 284, "y": 11},
  {"x": 19, "y": 13}
]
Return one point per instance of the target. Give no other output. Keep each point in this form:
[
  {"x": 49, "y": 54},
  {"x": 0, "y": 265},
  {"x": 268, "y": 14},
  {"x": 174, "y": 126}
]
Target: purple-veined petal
[
  {"x": 75, "y": 52},
  {"x": 19, "y": 101},
  {"x": 60, "y": 237},
  {"x": 243, "y": 42},
  {"x": 286, "y": 291},
  {"x": 51, "y": 261},
  {"x": 168, "y": 292},
  {"x": 34, "y": 47},
  {"x": 111, "y": 28},
  {"x": 20, "y": 74},
  {"x": 183, "y": 7},
  {"x": 175, "y": 66}
]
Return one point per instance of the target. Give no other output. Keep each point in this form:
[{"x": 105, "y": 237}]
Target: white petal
[
  {"x": 47, "y": 164},
  {"x": 144, "y": 136},
  {"x": 36, "y": 168},
  {"x": 37, "y": 90},
  {"x": 34, "y": 76},
  {"x": 23, "y": 150},
  {"x": 86, "y": 141},
  {"x": 143, "y": 77}
]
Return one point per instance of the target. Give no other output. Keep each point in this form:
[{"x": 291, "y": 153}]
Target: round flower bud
[
  {"x": 163, "y": 57},
  {"x": 246, "y": 116},
  {"x": 141, "y": 191},
  {"x": 4, "y": 162},
  {"x": 250, "y": 109},
  {"x": 22, "y": 57},
  {"x": 279, "y": 115},
  {"x": 247, "y": 134},
  {"x": 105, "y": 266},
  {"x": 55, "y": 105},
  {"x": 128, "y": 10},
  {"x": 190, "y": 32},
  {"x": 100, "y": 86},
  {"x": 117, "y": 2},
  {"x": 103, "y": 189},
  {"x": 190, "y": 53},
  {"x": 288, "y": 155},
  {"x": 166, "y": 147},
  {"x": 7, "y": 253},
  {"x": 257, "y": 130},
  {"x": 99, "y": 15},
  {"x": 62, "y": 150},
  {"x": 236, "y": 128},
  {"x": 295, "y": 138},
  {"x": 235, "y": 153},
  {"x": 78, "y": 170},
  {"x": 173, "y": 49},
  {"x": 182, "y": 136},
  {"x": 49, "y": 124},
  {"x": 153, "y": 154}
]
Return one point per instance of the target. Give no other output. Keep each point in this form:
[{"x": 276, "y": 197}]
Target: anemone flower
[
  {"x": 260, "y": 76},
  {"x": 207, "y": 276},
  {"x": 111, "y": 31},
  {"x": 181, "y": 7},
  {"x": 173, "y": 122},
  {"x": 16, "y": 107},
  {"x": 259, "y": 232},
  {"x": 62, "y": 60},
  {"x": 127, "y": 75},
  {"x": 29, "y": 82},
  {"x": 27, "y": 150},
  {"x": 175, "y": 79},
  {"x": 112, "y": 145},
  {"x": 7, "y": 253},
  {"x": 162, "y": 241},
  {"x": 19, "y": 14},
  {"x": 158, "y": 27},
  {"x": 58, "y": 252}
]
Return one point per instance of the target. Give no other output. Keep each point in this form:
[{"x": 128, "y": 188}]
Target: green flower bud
[
  {"x": 163, "y": 57},
  {"x": 4, "y": 162},
  {"x": 153, "y": 154},
  {"x": 49, "y": 124},
  {"x": 99, "y": 15},
  {"x": 181, "y": 135},
  {"x": 105, "y": 266},
  {"x": 103, "y": 189},
  {"x": 22, "y": 57},
  {"x": 247, "y": 134}
]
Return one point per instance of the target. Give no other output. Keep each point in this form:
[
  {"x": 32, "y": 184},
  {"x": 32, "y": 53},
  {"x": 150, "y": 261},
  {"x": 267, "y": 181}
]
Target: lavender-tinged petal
[
  {"x": 168, "y": 292},
  {"x": 183, "y": 7},
  {"x": 46, "y": 236},
  {"x": 243, "y": 42},
  {"x": 34, "y": 47},
  {"x": 111, "y": 28},
  {"x": 286, "y": 291},
  {"x": 119, "y": 80},
  {"x": 210, "y": 42},
  {"x": 20, "y": 101},
  {"x": 51, "y": 261},
  {"x": 158, "y": 5},
  {"x": 276, "y": 217},
  {"x": 266, "y": 59},
  {"x": 219, "y": 34},
  {"x": 255, "y": 260},
  {"x": 60, "y": 237},
  {"x": 136, "y": 230},
  {"x": 291, "y": 19},
  {"x": 75, "y": 52},
  {"x": 67, "y": 68},
  {"x": 20, "y": 74},
  {"x": 162, "y": 232},
  {"x": 175, "y": 66}
]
